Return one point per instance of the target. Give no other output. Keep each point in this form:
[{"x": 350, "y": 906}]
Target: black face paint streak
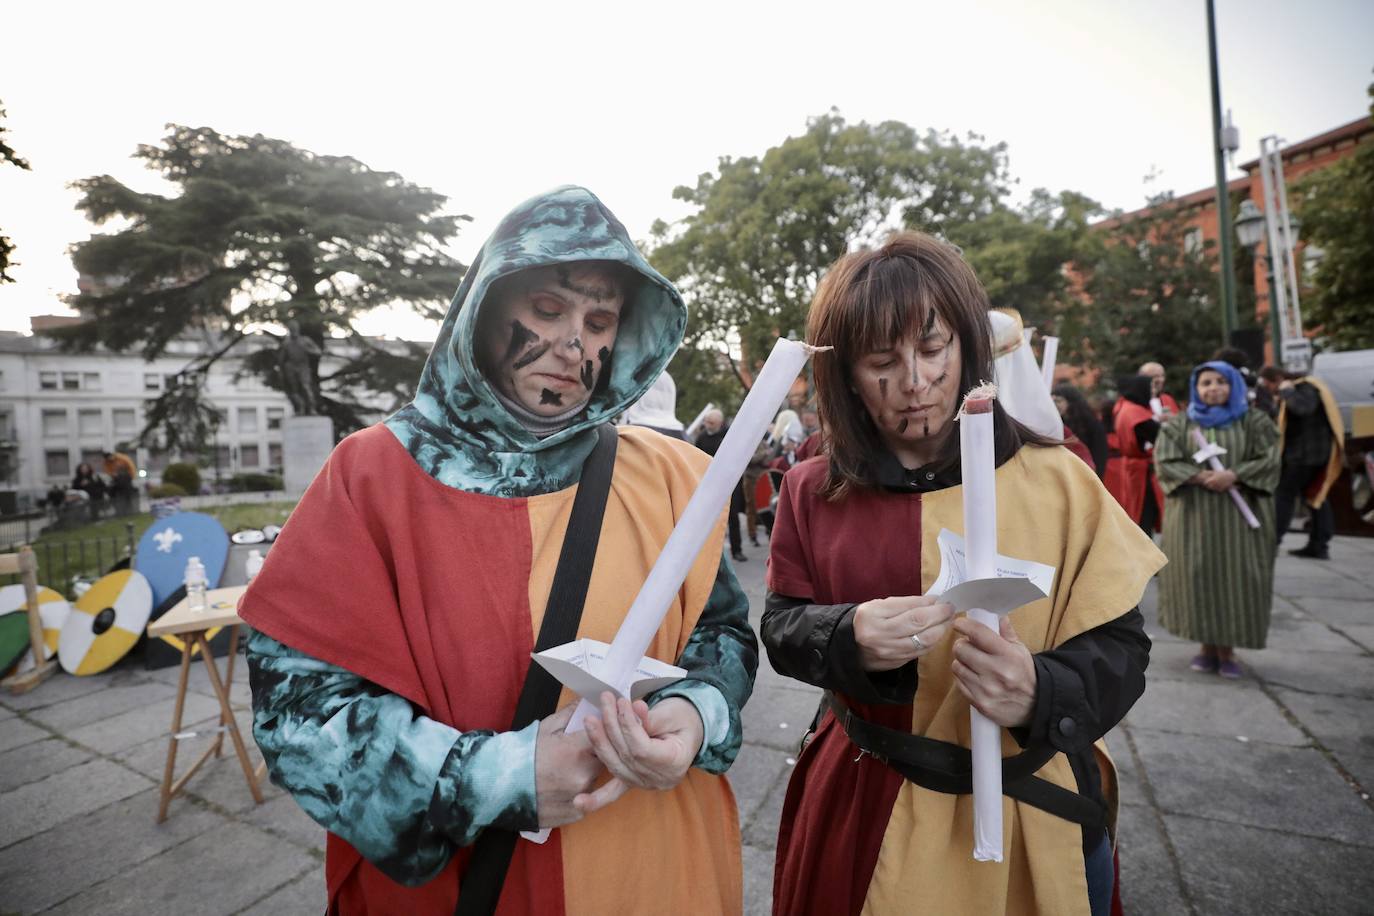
[
  {"x": 520, "y": 337},
  {"x": 925, "y": 427},
  {"x": 901, "y": 427},
  {"x": 598, "y": 293},
  {"x": 532, "y": 355},
  {"x": 550, "y": 397},
  {"x": 588, "y": 375},
  {"x": 576, "y": 344},
  {"x": 930, "y": 323},
  {"x": 882, "y": 388}
]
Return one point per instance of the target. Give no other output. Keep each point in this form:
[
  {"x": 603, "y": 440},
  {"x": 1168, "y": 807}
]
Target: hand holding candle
[{"x": 1208, "y": 451}]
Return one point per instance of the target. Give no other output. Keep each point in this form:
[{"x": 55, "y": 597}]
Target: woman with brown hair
[{"x": 878, "y": 815}]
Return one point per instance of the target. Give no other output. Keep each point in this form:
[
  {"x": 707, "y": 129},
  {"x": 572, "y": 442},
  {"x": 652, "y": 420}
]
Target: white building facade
[{"x": 60, "y": 409}]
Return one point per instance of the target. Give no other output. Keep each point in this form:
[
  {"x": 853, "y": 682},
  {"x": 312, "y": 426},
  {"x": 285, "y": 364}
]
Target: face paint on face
[
  {"x": 882, "y": 386},
  {"x": 901, "y": 427},
  {"x": 535, "y": 349},
  {"x": 910, "y": 389}
]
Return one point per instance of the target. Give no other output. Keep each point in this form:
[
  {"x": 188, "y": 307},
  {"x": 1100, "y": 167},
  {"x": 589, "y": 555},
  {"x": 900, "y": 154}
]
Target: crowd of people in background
[
  {"x": 90, "y": 493},
  {"x": 1279, "y": 435}
]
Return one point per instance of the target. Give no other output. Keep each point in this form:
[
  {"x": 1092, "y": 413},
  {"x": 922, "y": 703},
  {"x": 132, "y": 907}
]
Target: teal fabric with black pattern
[{"x": 456, "y": 429}]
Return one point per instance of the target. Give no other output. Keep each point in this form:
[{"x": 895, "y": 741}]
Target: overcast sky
[{"x": 493, "y": 103}]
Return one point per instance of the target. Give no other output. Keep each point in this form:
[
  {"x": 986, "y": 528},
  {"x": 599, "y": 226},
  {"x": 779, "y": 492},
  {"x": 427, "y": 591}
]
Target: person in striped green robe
[{"x": 1218, "y": 586}]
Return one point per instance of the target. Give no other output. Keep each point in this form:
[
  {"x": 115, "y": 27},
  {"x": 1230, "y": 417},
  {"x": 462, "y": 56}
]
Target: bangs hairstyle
[{"x": 866, "y": 302}]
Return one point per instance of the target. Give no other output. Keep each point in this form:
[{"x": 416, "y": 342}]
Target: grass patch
[{"x": 90, "y": 550}]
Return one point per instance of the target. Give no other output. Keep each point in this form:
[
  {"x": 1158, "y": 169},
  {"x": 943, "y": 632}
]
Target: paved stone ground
[{"x": 1250, "y": 796}]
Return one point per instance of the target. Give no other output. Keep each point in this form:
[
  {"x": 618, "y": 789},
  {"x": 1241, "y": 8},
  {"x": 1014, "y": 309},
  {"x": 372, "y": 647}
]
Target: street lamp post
[{"x": 1221, "y": 142}]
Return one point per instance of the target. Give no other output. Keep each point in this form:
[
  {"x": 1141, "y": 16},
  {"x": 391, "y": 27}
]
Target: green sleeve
[
  {"x": 403, "y": 789},
  {"x": 1173, "y": 455},
  {"x": 1258, "y": 469},
  {"x": 721, "y": 657}
]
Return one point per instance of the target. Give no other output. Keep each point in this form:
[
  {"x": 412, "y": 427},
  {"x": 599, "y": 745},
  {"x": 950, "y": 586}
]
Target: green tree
[
  {"x": 1146, "y": 295},
  {"x": 7, "y": 154},
  {"x": 262, "y": 233},
  {"x": 1337, "y": 209},
  {"x": 764, "y": 228},
  {"x": 1019, "y": 253}
]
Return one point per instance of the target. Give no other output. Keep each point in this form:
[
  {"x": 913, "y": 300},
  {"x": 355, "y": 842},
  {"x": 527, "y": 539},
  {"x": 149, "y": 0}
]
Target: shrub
[
  {"x": 254, "y": 483},
  {"x": 184, "y": 475},
  {"x": 164, "y": 490}
]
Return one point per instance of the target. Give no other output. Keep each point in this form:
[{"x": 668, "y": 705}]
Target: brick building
[{"x": 1299, "y": 159}]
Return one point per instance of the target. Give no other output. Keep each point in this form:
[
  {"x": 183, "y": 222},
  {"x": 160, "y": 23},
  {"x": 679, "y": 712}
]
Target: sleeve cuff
[
  {"x": 711, "y": 706},
  {"x": 495, "y": 780},
  {"x": 896, "y": 687},
  {"x": 1061, "y": 714}
]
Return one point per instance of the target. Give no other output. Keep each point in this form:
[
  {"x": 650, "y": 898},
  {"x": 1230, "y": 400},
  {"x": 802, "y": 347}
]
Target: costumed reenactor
[
  {"x": 395, "y": 616},
  {"x": 1312, "y": 437},
  {"x": 878, "y": 817},
  {"x": 1136, "y": 428}
]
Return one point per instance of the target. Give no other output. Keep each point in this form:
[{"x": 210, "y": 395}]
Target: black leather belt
[{"x": 944, "y": 767}]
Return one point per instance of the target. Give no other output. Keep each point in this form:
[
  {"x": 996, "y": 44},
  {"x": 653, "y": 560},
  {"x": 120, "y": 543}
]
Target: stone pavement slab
[
  {"x": 58, "y": 863},
  {"x": 1207, "y": 705},
  {"x": 1317, "y": 672},
  {"x": 102, "y": 705},
  {"x": 305, "y": 894},
  {"x": 220, "y": 871},
  {"x": 76, "y": 791},
  {"x": 1254, "y": 784},
  {"x": 1150, "y": 883},
  {"x": 15, "y": 732},
  {"x": 1233, "y": 869},
  {"x": 37, "y": 760}
]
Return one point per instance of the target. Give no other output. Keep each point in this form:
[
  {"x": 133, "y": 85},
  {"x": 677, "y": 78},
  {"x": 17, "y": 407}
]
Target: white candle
[
  {"x": 696, "y": 424},
  {"x": 698, "y": 519},
  {"x": 1047, "y": 361},
  {"x": 980, "y": 539},
  {"x": 1206, "y": 453}
]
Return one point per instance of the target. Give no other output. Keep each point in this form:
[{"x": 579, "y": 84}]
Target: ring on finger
[{"x": 916, "y": 638}]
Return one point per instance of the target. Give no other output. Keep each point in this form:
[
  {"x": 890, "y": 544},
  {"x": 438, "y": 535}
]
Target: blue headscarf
[{"x": 1208, "y": 416}]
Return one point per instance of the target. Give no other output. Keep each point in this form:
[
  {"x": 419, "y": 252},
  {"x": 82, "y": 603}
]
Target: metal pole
[
  {"x": 1278, "y": 290},
  {"x": 1274, "y": 319},
  {"x": 1228, "y": 267}
]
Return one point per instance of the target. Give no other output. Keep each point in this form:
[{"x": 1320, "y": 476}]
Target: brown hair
[{"x": 867, "y": 300}]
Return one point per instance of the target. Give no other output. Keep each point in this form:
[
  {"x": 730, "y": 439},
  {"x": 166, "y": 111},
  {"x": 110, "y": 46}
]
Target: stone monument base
[{"x": 306, "y": 443}]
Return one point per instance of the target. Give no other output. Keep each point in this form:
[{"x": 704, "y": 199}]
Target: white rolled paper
[
  {"x": 698, "y": 519},
  {"x": 978, "y": 465},
  {"x": 1047, "y": 360},
  {"x": 1215, "y": 464}
]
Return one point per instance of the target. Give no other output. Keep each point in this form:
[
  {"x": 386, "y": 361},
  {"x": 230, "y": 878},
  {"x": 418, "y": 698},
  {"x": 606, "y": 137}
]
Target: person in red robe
[{"x": 1136, "y": 427}]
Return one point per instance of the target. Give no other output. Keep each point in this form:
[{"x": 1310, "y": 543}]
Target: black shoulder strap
[{"x": 491, "y": 854}]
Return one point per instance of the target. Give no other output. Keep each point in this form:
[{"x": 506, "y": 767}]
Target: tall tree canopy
[
  {"x": 1337, "y": 209},
  {"x": 262, "y": 234},
  {"x": 765, "y": 227},
  {"x": 1145, "y": 294},
  {"x": 7, "y": 154}
]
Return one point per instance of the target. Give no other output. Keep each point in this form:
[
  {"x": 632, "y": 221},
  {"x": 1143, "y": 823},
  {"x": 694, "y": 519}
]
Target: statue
[{"x": 296, "y": 360}]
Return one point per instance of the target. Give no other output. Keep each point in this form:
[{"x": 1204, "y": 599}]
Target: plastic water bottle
[
  {"x": 253, "y": 564},
  {"x": 196, "y": 582}
]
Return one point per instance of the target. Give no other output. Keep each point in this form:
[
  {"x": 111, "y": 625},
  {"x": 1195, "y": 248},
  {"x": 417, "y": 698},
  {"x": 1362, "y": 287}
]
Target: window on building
[
  {"x": 89, "y": 423},
  {"x": 221, "y": 459},
  {"x": 152, "y": 381},
  {"x": 90, "y": 381},
  {"x": 47, "y": 381},
  {"x": 6, "y": 425},
  {"x": 95, "y": 457},
  {"x": 274, "y": 417},
  {"x": 248, "y": 419},
  {"x": 274, "y": 454},
  {"x": 125, "y": 422},
  {"x": 58, "y": 463},
  {"x": 54, "y": 424},
  {"x": 248, "y": 456},
  {"x": 1192, "y": 240},
  {"x": 2, "y": 379},
  {"x": 71, "y": 381}
]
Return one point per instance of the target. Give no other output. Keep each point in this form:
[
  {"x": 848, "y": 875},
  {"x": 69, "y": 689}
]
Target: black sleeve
[
  {"x": 1303, "y": 400},
  {"x": 1087, "y": 685},
  {"x": 1146, "y": 433},
  {"x": 814, "y": 643}
]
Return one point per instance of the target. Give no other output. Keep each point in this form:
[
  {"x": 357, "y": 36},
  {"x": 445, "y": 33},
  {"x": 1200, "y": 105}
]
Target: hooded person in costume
[
  {"x": 396, "y": 613},
  {"x": 1312, "y": 441},
  {"x": 1218, "y": 588},
  {"x": 878, "y": 817},
  {"x": 1136, "y": 428}
]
